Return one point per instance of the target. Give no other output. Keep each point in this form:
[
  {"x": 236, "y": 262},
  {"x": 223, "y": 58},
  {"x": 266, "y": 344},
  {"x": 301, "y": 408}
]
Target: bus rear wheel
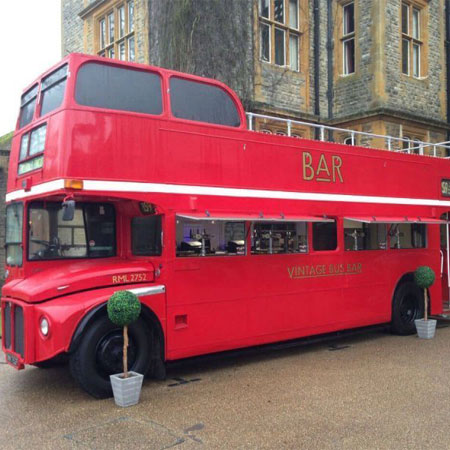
[
  {"x": 99, "y": 355},
  {"x": 407, "y": 306}
]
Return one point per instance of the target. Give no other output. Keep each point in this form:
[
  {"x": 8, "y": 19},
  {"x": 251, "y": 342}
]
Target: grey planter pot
[
  {"x": 426, "y": 329},
  {"x": 126, "y": 390}
]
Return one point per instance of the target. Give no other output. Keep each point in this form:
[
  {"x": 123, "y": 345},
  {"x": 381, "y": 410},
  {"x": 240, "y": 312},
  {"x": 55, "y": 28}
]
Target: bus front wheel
[
  {"x": 100, "y": 351},
  {"x": 407, "y": 306}
]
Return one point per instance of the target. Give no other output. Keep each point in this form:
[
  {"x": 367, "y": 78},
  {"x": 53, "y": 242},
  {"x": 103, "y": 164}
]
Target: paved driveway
[{"x": 380, "y": 392}]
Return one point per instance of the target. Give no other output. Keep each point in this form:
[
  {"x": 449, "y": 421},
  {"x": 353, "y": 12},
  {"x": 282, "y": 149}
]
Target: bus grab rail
[{"x": 419, "y": 148}]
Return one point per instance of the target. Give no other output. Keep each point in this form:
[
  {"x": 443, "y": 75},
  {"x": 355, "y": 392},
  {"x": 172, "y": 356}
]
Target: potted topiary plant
[
  {"x": 123, "y": 309},
  {"x": 424, "y": 278}
]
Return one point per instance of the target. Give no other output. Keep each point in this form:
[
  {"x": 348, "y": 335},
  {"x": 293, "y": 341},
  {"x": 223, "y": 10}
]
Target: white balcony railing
[{"x": 327, "y": 133}]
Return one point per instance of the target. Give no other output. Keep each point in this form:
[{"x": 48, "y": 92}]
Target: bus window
[
  {"x": 123, "y": 89},
  {"x": 202, "y": 102},
  {"x": 14, "y": 222},
  {"x": 53, "y": 87},
  {"x": 408, "y": 235},
  {"x": 209, "y": 237},
  {"x": 364, "y": 236},
  {"x": 324, "y": 236},
  {"x": 27, "y": 104},
  {"x": 146, "y": 236},
  {"x": 273, "y": 237}
]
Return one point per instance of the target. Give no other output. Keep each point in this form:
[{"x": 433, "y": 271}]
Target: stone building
[
  {"x": 4, "y": 157},
  {"x": 377, "y": 66}
]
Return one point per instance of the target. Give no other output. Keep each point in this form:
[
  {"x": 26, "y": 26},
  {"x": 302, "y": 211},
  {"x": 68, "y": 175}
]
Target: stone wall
[
  {"x": 353, "y": 93},
  {"x": 423, "y": 97},
  {"x": 72, "y": 27}
]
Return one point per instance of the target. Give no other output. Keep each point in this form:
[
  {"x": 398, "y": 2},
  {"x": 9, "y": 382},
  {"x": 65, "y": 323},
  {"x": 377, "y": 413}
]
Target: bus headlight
[{"x": 45, "y": 327}]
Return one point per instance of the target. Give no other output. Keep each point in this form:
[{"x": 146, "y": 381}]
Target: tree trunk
[
  {"x": 125, "y": 351},
  {"x": 425, "y": 294}
]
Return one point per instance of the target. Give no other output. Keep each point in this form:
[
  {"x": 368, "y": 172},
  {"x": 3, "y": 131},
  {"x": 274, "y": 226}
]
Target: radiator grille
[
  {"x": 14, "y": 324},
  {"x": 18, "y": 331},
  {"x": 7, "y": 326}
]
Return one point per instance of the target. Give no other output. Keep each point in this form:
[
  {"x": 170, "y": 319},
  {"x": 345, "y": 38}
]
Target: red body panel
[{"x": 184, "y": 166}]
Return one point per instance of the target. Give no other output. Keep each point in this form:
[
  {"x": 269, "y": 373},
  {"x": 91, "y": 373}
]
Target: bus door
[{"x": 445, "y": 260}]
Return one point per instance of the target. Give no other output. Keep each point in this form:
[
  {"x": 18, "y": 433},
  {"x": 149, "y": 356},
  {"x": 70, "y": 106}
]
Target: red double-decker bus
[{"x": 129, "y": 177}]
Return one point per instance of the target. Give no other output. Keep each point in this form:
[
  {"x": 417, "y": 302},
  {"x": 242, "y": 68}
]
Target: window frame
[
  {"x": 411, "y": 225},
  {"x": 273, "y": 224},
  {"x": 119, "y": 67},
  {"x": 43, "y": 90},
  {"x": 19, "y": 244},
  {"x": 337, "y": 226},
  {"x": 288, "y": 30},
  {"x": 160, "y": 217},
  {"x": 179, "y": 223},
  {"x": 347, "y": 38},
  {"x": 31, "y": 157},
  {"x": 414, "y": 65},
  {"x": 110, "y": 46},
  {"x": 366, "y": 225},
  {"x": 85, "y": 222},
  {"x": 207, "y": 84},
  {"x": 26, "y": 100}
]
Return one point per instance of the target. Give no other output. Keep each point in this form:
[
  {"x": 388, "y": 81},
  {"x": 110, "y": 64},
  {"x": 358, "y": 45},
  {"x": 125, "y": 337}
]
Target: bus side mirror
[{"x": 68, "y": 210}]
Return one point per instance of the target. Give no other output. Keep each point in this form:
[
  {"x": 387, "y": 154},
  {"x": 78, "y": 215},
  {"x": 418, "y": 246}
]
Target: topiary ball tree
[
  {"x": 123, "y": 309},
  {"x": 424, "y": 278}
]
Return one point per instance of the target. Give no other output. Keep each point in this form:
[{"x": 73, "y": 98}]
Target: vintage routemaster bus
[{"x": 129, "y": 177}]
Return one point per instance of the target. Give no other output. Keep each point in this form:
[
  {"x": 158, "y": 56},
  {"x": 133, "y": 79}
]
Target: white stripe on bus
[{"x": 129, "y": 186}]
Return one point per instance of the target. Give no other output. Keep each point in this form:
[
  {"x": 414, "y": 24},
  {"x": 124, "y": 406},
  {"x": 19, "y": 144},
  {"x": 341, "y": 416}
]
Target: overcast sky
[{"x": 30, "y": 42}]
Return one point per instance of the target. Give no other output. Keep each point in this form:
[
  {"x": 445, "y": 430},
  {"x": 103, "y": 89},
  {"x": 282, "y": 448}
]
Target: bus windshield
[{"x": 90, "y": 234}]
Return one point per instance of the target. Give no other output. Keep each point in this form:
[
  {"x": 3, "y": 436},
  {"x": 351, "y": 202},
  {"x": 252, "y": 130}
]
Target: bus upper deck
[{"x": 97, "y": 120}]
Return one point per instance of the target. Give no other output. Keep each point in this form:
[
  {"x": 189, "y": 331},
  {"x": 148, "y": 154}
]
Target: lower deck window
[
  {"x": 146, "y": 236},
  {"x": 408, "y": 235},
  {"x": 324, "y": 236},
  {"x": 209, "y": 237},
  {"x": 270, "y": 237},
  {"x": 364, "y": 236}
]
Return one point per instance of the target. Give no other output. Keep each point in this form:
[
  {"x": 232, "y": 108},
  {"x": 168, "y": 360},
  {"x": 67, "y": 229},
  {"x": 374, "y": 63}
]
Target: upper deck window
[
  {"x": 52, "y": 89},
  {"x": 27, "y": 105},
  {"x": 123, "y": 89},
  {"x": 202, "y": 102}
]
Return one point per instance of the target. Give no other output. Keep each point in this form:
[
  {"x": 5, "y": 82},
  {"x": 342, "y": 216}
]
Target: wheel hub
[
  {"x": 109, "y": 355},
  {"x": 408, "y": 310}
]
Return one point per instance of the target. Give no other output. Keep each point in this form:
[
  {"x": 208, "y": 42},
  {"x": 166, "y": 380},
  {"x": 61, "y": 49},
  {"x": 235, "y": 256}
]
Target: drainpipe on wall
[
  {"x": 317, "y": 63},
  {"x": 447, "y": 57},
  {"x": 317, "y": 58},
  {"x": 330, "y": 94}
]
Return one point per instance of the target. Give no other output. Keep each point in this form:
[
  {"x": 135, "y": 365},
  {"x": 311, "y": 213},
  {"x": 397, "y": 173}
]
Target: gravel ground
[{"x": 373, "y": 391}]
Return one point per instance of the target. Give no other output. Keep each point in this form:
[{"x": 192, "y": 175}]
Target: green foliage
[
  {"x": 123, "y": 308},
  {"x": 208, "y": 38},
  {"x": 5, "y": 140},
  {"x": 424, "y": 277}
]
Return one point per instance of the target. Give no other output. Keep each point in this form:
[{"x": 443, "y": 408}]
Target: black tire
[
  {"x": 99, "y": 355},
  {"x": 407, "y": 306}
]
